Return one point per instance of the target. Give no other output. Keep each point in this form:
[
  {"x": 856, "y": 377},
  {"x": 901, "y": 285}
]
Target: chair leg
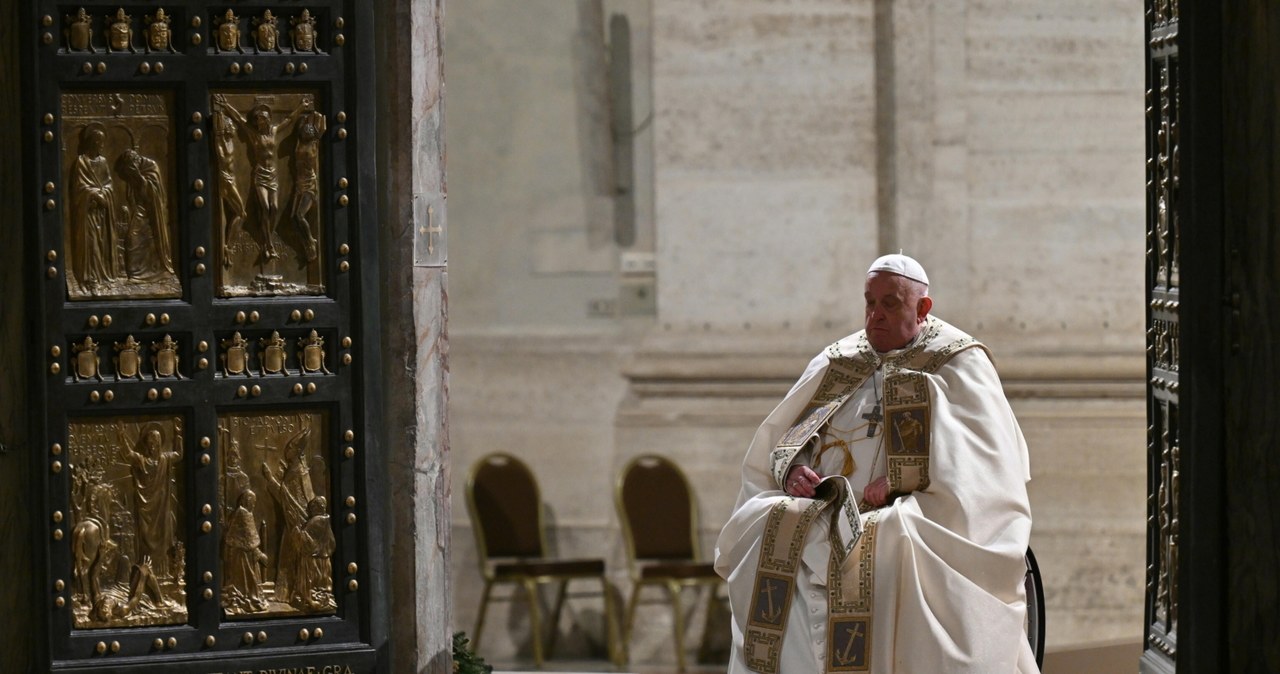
[
  {"x": 673, "y": 588},
  {"x": 630, "y": 622},
  {"x": 704, "y": 649},
  {"x": 535, "y": 622},
  {"x": 484, "y": 606},
  {"x": 555, "y": 619},
  {"x": 611, "y": 623}
]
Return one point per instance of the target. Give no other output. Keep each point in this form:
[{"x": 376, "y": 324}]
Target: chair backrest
[
  {"x": 1035, "y": 607},
  {"x": 506, "y": 508},
  {"x": 657, "y": 510}
]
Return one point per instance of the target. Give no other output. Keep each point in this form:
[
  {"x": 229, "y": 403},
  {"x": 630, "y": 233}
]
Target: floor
[
  {"x": 603, "y": 667},
  {"x": 1104, "y": 658}
]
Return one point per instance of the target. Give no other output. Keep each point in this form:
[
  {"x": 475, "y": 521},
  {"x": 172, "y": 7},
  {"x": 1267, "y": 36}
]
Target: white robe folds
[{"x": 942, "y": 565}]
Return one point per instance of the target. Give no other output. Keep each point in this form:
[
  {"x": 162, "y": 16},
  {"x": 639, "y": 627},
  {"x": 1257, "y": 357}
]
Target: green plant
[{"x": 465, "y": 660}]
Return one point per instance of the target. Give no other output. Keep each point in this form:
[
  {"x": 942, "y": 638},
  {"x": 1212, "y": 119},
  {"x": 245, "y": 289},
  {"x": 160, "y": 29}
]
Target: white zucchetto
[{"x": 897, "y": 263}]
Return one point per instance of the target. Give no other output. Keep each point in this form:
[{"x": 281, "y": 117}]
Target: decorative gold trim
[{"x": 782, "y": 544}]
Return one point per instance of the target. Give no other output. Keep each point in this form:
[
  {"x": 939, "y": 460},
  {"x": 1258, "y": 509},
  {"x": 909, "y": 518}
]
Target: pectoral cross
[{"x": 874, "y": 417}]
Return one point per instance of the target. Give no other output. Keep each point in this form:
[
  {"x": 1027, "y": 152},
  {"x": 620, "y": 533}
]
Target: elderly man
[{"x": 883, "y": 516}]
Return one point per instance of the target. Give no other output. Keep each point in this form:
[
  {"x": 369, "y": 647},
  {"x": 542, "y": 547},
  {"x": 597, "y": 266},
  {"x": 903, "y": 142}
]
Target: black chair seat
[
  {"x": 558, "y": 567},
  {"x": 678, "y": 570}
]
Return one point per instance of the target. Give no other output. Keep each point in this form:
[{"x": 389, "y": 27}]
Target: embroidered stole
[
  {"x": 851, "y": 577},
  {"x": 775, "y": 584}
]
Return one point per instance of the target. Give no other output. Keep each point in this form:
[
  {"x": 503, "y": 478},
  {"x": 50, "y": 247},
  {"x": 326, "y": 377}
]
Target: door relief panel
[
  {"x": 278, "y": 542},
  {"x": 119, "y": 217},
  {"x": 128, "y": 552},
  {"x": 267, "y": 156}
]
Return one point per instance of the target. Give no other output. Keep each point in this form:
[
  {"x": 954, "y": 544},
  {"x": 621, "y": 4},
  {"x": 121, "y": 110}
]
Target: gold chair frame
[
  {"x": 530, "y": 572},
  {"x": 673, "y": 574}
]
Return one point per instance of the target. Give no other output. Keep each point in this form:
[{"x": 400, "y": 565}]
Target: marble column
[{"x": 415, "y": 347}]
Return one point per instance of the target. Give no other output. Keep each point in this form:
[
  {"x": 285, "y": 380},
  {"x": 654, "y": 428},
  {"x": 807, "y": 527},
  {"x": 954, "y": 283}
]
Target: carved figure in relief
[
  {"x": 303, "y": 32},
  {"x": 243, "y": 559},
  {"x": 272, "y": 357},
  {"x": 86, "y": 361},
  {"x": 292, "y": 490},
  {"x": 1162, "y": 233},
  {"x": 127, "y": 360},
  {"x": 155, "y": 499},
  {"x": 235, "y": 480},
  {"x": 140, "y": 587},
  {"x": 91, "y": 495},
  {"x": 229, "y": 33},
  {"x": 235, "y": 355},
  {"x": 148, "y": 251},
  {"x": 266, "y": 32},
  {"x": 312, "y": 359},
  {"x": 263, "y": 137},
  {"x": 230, "y": 203},
  {"x": 164, "y": 361},
  {"x": 120, "y": 32},
  {"x": 159, "y": 34},
  {"x": 91, "y": 548},
  {"x": 93, "y": 208},
  {"x": 79, "y": 31},
  {"x": 314, "y": 589},
  {"x": 306, "y": 173}
]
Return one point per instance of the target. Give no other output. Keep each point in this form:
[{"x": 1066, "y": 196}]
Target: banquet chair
[
  {"x": 506, "y": 513},
  {"x": 659, "y": 516}
]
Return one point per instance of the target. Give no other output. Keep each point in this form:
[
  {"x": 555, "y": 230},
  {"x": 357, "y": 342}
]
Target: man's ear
[{"x": 923, "y": 307}]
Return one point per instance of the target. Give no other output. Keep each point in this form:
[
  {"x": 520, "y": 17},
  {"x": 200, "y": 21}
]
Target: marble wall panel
[
  {"x": 765, "y": 159},
  {"x": 763, "y": 253}
]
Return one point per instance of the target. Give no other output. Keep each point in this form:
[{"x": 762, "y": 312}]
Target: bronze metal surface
[
  {"x": 278, "y": 541},
  {"x": 267, "y": 159},
  {"x": 119, "y": 219},
  {"x": 128, "y": 551}
]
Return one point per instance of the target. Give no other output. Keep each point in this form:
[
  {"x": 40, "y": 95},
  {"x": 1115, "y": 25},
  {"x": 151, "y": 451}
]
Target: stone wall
[{"x": 793, "y": 140}]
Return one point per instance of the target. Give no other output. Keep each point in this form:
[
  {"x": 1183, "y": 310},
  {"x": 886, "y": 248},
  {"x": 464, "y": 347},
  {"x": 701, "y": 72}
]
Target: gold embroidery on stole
[
  {"x": 842, "y": 378},
  {"x": 784, "y": 537},
  {"x": 909, "y": 415},
  {"x": 850, "y": 588}
]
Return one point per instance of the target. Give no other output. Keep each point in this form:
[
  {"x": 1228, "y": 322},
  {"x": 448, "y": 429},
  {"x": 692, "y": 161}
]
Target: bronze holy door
[
  {"x": 201, "y": 245},
  {"x": 1213, "y": 167},
  {"x": 1164, "y": 227}
]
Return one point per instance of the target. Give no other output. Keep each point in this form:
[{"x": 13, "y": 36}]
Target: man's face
[
  {"x": 895, "y": 311},
  {"x": 94, "y": 143}
]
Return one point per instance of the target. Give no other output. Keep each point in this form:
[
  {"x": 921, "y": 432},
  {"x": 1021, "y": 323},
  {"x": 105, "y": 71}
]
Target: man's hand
[
  {"x": 877, "y": 493},
  {"x": 801, "y": 481}
]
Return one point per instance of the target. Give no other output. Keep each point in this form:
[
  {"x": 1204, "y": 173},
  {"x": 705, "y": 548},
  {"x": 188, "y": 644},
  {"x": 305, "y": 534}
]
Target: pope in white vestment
[{"x": 883, "y": 517}]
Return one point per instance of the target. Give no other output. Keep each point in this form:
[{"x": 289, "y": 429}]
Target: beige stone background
[{"x": 777, "y": 147}]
